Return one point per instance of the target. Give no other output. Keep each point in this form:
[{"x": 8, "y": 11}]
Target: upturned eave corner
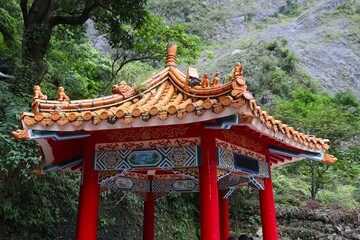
[
  {"x": 20, "y": 134},
  {"x": 329, "y": 159}
]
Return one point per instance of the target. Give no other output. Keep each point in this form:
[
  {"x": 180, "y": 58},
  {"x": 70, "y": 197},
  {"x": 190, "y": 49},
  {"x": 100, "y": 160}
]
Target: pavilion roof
[{"x": 169, "y": 97}]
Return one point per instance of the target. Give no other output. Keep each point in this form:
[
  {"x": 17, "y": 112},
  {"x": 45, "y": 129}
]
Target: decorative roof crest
[
  {"x": 38, "y": 94},
  {"x": 123, "y": 89},
  {"x": 171, "y": 54},
  {"x": 62, "y": 95}
]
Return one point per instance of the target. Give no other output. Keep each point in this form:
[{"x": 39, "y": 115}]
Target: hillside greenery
[{"x": 44, "y": 207}]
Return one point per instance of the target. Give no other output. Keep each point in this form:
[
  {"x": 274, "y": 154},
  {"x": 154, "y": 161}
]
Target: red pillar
[
  {"x": 224, "y": 216},
  {"x": 87, "y": 219},
  {"x": 267, "y": 208},
  {"x": 209, "y": 202},
  {"x": 149, "y": 214}
]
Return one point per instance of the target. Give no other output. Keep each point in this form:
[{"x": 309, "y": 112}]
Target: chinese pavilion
[{"x": 182, "y": 133}]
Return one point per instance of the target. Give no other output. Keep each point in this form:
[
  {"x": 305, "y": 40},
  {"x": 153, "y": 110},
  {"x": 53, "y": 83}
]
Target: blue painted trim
[
  {"x": 38, "y": 134},
  {"x": 63, "y": 165},
  {"x": 318, "y": 156}
]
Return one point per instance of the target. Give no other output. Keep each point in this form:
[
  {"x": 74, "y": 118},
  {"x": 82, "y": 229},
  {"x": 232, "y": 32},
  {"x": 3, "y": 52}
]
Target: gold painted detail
[
  {"x": 222, "y": 173},
  {"x": 169, "y": 176},
  {"x": 105, "y": 176},
  {"x": 158, "y": 143},
  {"x": 243, "y": 141},
  {"x": 136, "y": 175},
  {"x": 178, "y": 156},
  {"x": 188, "y": 172},
  {"x": 146, "y": 133},
  {"x": 237, "y": 149},
  {"x": 112, "y": 159}
]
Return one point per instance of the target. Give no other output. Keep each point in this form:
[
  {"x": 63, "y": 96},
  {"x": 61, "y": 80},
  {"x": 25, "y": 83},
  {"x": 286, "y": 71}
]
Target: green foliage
[
  {"x": 349, "y": 7},
  {"x": 28, "y": 201},
  {"x": 134, "y": 73},
  {"x": 338, "y": 119},
  {"x": 77, "y": 66},
  {"x": 193, "y": 14},
  {"x": 10, "y": 36},
  {"x": 289, "y": 189},
  {"x": 244, "y": 211},
  {"x": 153, "y": 36},
  {"x": 177, "y": 217},
  {"x": 271, "y": 70},
  {"x": 210, "y": 55},
  {"x": 120, "y": 216},
  {"x": 320, "y": 114},
  {"x": 339, "y": 195},
  {"x": 7, "y": 25},
  {"x": 292, "y": 8},
  {"x": 148, "y": 43}
]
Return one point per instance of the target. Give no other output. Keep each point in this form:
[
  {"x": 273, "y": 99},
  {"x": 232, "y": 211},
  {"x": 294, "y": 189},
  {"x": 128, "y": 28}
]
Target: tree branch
[
  {"x": 75, "y": 20},
  {"x": 24, "y": 10},
  {"x": 121, "y": 65}
]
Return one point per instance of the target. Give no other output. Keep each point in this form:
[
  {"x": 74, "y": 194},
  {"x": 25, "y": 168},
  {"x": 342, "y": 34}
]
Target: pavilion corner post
[
  {"x": 209, "y": 202},
  {"x": 149, "y": 214},
  {"x": 224, "y": 216},
  {"x": 267, "y": 209},
  {"x": 87, "y": 219}
]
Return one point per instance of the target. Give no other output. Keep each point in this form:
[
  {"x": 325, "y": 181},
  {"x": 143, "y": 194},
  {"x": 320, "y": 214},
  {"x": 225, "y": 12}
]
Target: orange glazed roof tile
[{"x": 171, "y": 97}]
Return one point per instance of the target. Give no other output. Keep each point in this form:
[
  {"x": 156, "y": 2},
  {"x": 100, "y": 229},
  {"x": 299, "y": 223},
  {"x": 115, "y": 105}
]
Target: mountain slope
[{"x": 324, "y": 35}]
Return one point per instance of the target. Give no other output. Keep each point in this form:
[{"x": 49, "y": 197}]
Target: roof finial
[{"x": 171, "y": 55}]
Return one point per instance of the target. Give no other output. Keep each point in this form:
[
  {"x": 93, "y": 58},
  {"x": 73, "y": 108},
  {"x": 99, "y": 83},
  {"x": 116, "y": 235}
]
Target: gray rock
[{"x": 236, "y": 51}]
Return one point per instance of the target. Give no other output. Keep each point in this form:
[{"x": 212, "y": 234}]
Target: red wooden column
[
  {"x": 224, "y": 216},
  {"x": 209, "y": 202},
  {"x": 267, "y": 209},
  {"x": 87, "y": 219},
  {"x": 149, "y": 214}
]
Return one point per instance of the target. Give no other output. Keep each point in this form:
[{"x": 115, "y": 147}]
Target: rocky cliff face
[
  {"x": 326, "y": 41},
  {"x": 324, "y": 34}
]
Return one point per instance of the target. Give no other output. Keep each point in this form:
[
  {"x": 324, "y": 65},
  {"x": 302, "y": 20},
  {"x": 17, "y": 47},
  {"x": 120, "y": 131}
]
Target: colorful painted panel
[
  {"x": 156, "y": 186},
  {"x": 177, "y": 185},
  {"x": 239, "y": 150},
  {"x": 126, "y": 183},
  {"x": 235, "y": 158},
  {"x": 163, "y": 158},
  {"x": 144, "y": 158}
]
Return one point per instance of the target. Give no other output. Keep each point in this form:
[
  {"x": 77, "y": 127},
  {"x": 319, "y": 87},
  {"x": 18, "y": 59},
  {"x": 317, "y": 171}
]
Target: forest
[{"x": 89, "y": 45}]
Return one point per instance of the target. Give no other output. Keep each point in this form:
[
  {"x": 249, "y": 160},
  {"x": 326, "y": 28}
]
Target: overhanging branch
[{"x": 75, "y": 20}]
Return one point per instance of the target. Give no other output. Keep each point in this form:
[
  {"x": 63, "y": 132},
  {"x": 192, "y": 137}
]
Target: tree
[
  {"x": 148, "y": 43},
  {"x": 40, "y": 17},
  {"x": 336, "y": 118}
]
